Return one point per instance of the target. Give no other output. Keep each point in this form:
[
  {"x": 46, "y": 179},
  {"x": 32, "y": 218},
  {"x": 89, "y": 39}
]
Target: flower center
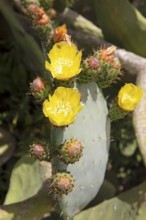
[
  {"x": 63, "y": 107},
  {"x": 128, "y": 98},
  {"x": 62, "y": 62}
]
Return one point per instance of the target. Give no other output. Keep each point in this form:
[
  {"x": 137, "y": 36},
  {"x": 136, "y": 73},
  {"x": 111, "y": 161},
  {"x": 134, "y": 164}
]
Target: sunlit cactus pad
[{"x": 91, "y": 128}]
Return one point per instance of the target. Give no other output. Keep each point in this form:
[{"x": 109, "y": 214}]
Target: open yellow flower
[
  {"x": 65, "y": 61},
  {"x": 129, "y": 96},
  {"x": 63, "y": 106}
]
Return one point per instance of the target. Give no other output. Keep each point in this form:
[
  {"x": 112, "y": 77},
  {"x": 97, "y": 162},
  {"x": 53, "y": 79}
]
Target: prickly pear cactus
[
  {"x": 78, "y": 116},
  {"x": 92, "y": 129}
]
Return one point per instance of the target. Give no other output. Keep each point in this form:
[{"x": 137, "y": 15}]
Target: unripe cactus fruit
[
  {"x": 91, "y": 128},
  {"x": 71, "y": 151},
  {"x": 62, "y": 183},
  {"x": 39, "y": 89},
  {"x": 39, "y": 151}
]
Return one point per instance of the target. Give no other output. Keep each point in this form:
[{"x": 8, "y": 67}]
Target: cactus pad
[{"x": 91, "y": 128}]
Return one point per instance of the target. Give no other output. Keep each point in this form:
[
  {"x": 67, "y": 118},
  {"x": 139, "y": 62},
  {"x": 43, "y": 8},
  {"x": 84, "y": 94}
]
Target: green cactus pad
[{"x": 92, "y": 129}]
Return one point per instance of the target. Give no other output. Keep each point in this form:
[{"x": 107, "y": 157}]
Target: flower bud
[
  {"x": 38, "y": 14},
  {"x": 63, "y": 183},
  {"x": 39, "y": 89},
  {"x": 32, "y": 9},
  {"x": 37, "y": 85},
  {"x": 59, "y": 33},
  {"x": 43, "y": 20},
  {"x": 40, "y": 151},
  {"x": 108, "y": 55},
  {"x": 71, "y": 151}
]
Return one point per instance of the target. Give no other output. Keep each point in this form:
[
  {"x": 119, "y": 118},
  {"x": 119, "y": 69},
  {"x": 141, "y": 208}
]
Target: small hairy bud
[
  {"x": 71, "y": 151},
  {"x": 108, "y": 55},
  {"x": 39, "y": 89},
  {"x": 37, "y": 85},
  {"x": 39, "y": 151},
  {"x": 63, "y": 183}
]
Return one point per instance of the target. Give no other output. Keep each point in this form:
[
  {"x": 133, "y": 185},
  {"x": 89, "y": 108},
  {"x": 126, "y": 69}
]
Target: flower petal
[
  {"x": 63, "y": 106},
  {"x": 129, "y": 96},
  {"x": 65, "y": 61}
]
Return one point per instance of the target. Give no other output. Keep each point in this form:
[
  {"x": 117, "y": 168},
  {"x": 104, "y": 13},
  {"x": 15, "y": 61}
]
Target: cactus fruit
[
  {"x": 39, "y": 150},
  {"x": 91, "y": 128},
  {"x": 62, "y": 183},
  {"x": 71, "y": 151}
]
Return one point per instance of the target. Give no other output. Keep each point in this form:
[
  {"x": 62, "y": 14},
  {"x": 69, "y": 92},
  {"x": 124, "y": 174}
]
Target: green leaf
[
  {"x": 7, "y": 145},
  {"x": 121, "y": 207},
  {"x": 31, "y": 209},
  {"x": 112, "y": 209},
  {"x": 28, "y": 176}
]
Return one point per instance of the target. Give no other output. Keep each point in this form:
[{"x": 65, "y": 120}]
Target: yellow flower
[
  {"x": 63, "y": 106},
  {"x": 65, "y": 61},
  {"x": 129, "y": 96}
]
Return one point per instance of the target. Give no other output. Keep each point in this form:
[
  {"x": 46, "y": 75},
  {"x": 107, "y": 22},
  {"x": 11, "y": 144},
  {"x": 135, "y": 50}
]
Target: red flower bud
[{"x": 37, "y": 85}]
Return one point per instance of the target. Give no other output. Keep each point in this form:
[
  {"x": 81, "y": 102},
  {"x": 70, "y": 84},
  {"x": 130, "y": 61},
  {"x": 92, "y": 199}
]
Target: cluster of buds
[
  {"x": 38, "y": 15},
  {"x": 102, "y": 67}
]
